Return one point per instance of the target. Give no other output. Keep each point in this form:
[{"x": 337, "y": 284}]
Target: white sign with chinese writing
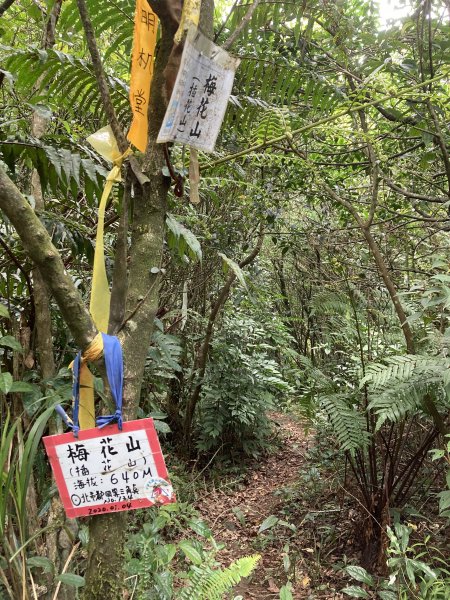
[
  {"x": 200, "y": 96},
  {"x": 106, "y": 470}
]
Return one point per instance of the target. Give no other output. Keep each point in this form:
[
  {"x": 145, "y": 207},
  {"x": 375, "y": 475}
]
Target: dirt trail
[{"x": 236, "y": 516}]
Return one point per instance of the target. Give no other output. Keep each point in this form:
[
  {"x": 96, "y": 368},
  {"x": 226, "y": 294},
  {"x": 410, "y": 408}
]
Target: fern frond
[
  {"x": 271, "y": 124},
  {"x": 331, "y": 302},
  {"x": 349, "y": 425},
  {"x": 207, "y": 584},
  {"x": 397, "y": 405},
  {"x": 398, "y": 369},
  {"x": 63, "y": 79},
  {"x": 398, "y": 387},
  {"x": 114, "y": 16}
]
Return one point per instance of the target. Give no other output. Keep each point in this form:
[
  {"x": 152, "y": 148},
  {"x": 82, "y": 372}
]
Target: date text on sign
[
  {"x": 107, "y": 470},
  {"x": 200, "y": 96}
]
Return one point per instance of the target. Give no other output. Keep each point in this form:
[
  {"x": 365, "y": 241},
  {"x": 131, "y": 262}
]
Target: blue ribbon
[
  {"x": 112, "y": 353},
  {"x": 64, "y": 416}
]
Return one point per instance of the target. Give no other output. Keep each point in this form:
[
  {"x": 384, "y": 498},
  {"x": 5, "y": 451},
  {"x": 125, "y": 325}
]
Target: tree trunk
[{"x": 104, "y": 576}]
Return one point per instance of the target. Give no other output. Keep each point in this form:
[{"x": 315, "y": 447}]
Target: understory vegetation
[{"x": 310, "y": 283}]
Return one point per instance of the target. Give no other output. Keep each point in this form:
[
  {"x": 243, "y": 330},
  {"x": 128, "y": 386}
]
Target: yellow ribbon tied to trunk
[{"x": 104, "y": 142}]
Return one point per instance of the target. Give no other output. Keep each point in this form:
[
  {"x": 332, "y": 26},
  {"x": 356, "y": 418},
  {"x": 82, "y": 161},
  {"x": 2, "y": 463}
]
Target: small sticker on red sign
[{"x": 107, "y": 470}]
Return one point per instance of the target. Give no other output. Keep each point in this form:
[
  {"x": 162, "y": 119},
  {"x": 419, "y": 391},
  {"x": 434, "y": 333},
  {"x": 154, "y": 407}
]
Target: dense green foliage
[{"x": 312, "y": 277}]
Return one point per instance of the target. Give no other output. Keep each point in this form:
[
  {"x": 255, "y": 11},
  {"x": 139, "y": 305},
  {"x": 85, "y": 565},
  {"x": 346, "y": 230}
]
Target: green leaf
[
  {"x": 161, "y": 426},
  {"x": 285, "y": 592},
  {"x": 4, "y": 312},
  {"x": 355, "y": 592},
  {"x": 170, "y": 551},
  {"x": 72, "y": 579},
  {"x": 387, "y": 595},
  {"x": 444, "y": 501},
  {"x": 10, "y": 342},
  {"x": 200, "y": 527},
  {"x": 268, "y": 523},
  {"x": 359, "y": 574},
  {"x": 235, "y": 268},
  {"x": 183, "y": 236},
  {"x": 83, "y": 535},
  {"x": 22, "y": 386},
  {"x": 157, "y": 414},
  {"x": 6, "y": 382},
  {"x": 42, "y": 562},
  {"x": 190, "y": 552}
]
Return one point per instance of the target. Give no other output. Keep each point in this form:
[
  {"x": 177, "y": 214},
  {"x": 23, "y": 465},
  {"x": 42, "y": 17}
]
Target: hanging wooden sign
[
  {"x": 200, "y": 95},
  {"x": 106, "y": 470}
]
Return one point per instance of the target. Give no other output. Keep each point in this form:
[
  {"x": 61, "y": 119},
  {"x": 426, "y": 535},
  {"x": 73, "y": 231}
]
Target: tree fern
[
  {"x": 398, "y": 387},
  {"x": 348, "y": 424},
  {"x": 209, "y": 584}
]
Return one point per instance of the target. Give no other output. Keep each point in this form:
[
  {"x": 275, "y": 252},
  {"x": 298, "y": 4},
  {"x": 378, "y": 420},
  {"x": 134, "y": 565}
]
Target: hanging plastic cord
[
  {"x": 112, "y": 353},
  {"x": 178, "y": 190}
]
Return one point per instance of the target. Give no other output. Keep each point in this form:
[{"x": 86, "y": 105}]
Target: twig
[
  {"x": 33, "y": 585},
  {"x": 362, "y": 505},
  {"x": 236, "y": 33},
  {"x": 69, "y": 558}
]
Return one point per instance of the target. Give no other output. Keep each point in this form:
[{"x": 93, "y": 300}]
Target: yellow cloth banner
[
  {"x": 104, "y": 142},
  {"x": 86, "y": 414},
  {"x": 142, "y": 59}
]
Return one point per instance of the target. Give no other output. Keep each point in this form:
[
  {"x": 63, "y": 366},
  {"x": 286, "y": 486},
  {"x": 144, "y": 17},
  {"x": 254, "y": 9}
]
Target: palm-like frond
[
  {"x": 208, "y": 584},
  {"x": 398, "y": 387},
  {"x": 348, "y": 424},
  {"x": 63, "y": 79},
  {"x": 58, "y": 167}
]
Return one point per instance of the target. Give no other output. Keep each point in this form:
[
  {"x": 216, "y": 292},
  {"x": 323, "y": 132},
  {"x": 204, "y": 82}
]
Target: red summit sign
[{"x": 107, "y": 470}]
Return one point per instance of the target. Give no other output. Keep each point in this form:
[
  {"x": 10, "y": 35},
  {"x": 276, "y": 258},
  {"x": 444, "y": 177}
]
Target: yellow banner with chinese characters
[{"x": 144, "y": 42}]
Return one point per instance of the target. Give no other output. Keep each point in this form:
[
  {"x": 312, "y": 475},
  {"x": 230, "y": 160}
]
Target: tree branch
[
  {"x": 414, "y": 195},
  {"x": 237, "y": 32},
  {"x": 43, "y": 253}
]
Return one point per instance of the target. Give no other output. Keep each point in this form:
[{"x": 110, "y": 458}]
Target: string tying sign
[{"x": 200, "y": 95}]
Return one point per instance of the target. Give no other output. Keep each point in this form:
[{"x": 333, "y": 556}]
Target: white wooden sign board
[{"x": 200, "y": 95}]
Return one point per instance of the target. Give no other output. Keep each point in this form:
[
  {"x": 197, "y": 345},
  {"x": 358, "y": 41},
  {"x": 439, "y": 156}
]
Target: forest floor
[{"x": 280, "y": 511}]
